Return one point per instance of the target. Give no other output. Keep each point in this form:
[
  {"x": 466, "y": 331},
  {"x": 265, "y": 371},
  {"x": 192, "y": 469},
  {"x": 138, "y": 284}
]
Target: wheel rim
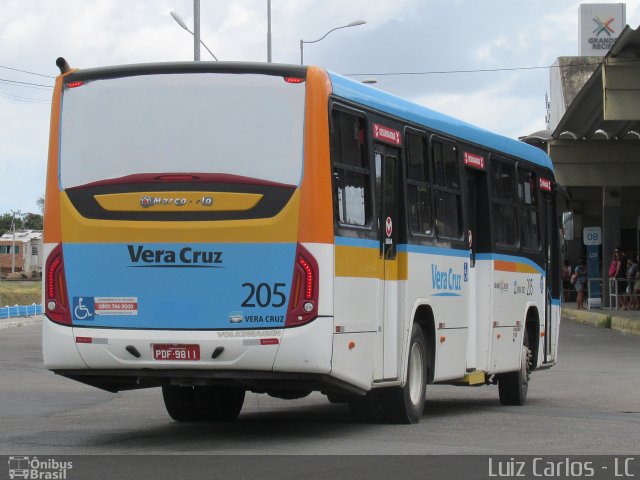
[
  {"x": 525, "y": 367},
  {"x": 416, "y": 374}
]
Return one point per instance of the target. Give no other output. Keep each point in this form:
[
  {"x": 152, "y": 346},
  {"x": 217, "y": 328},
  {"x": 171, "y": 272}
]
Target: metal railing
[
  {"x": 20, "y": 311},
  {"x": 617, "y": 289}
]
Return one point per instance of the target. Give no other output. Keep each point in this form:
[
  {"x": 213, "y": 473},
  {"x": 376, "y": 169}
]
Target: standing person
[
  {"x": 621, "y": 278},
  {"x": 636, "y": 290},
  {"x": 566, "y": 279},
  {"x": 582, "y": 275},
  {"x": 631, "y": 301},
  {"x": 615, "y": 271}
]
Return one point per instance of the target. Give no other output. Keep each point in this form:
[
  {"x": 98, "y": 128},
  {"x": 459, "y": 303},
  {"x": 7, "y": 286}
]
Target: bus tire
[
  {"x": 513, "y": 386},
  {"x": 406, "y": 404},
  {"x": 180, "y": 403},
  {"x": 215, "y": 403}
]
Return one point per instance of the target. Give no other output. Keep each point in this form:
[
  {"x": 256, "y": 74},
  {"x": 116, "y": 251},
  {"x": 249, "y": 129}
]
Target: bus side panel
[
  {"x": 358, "y": 307},
  {"x": 484, "y": 300},
  {"x": 556, "y": 316},
  {"x": 352, "y": 355},
  {"x": 308, "y": 348},
  {"x": 439, "y": 276},
  {"x": 517, "y": 282}
]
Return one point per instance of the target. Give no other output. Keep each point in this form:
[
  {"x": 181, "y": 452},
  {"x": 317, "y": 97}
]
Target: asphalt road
[{"x": 588, "y": 404}]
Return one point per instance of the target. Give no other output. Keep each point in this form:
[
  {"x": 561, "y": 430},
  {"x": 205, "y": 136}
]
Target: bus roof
[{"x": 398, "y": 107}]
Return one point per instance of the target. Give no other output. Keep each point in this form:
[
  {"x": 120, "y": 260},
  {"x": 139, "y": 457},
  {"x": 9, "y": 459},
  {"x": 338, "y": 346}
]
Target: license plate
[{"x": 176, "y": 352}]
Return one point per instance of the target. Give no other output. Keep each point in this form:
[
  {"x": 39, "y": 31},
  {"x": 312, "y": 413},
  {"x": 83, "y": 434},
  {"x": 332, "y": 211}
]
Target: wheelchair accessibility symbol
[{"x": 83, "y": 308}]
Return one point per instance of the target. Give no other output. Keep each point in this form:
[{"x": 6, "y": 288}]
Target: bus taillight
[
  {"x": 303, "y": 303},
  {"x": 56, "y": 305}
]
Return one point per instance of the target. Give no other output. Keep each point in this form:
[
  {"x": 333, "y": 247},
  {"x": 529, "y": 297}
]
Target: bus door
[
  {"x": 387, "y": 166},
  {"x": 478, "y": 237},
  {"x": 550, "y": 245}
]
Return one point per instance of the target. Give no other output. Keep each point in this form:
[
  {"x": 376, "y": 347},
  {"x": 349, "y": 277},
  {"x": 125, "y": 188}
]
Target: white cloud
[
  {"x": 404, "y": 35},
  {"x": 491, "y": 109}
]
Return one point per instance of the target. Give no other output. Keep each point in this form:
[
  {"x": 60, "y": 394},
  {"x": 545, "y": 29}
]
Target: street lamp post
[
  {"x": 302, "y": 42},
  {"x": 196, "y": 27}
]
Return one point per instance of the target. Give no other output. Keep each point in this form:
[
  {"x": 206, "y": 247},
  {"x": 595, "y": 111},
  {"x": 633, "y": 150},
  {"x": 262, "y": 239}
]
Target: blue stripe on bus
[
  {"x": 357, "y": 242},
  {"x": 401, "y": 108}
]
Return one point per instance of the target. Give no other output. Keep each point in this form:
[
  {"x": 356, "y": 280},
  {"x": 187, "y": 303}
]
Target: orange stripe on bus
[
  {"x": 502, "y": 266},
  {"x": 316, "y": 211},
  {"x": 52, "y": 229}
]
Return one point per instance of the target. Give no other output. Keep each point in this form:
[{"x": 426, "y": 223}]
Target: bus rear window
[{"x": 249, "y": 125}]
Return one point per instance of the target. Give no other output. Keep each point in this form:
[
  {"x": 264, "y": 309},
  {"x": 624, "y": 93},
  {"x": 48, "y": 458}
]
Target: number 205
[{"x": 264, "y": 295}]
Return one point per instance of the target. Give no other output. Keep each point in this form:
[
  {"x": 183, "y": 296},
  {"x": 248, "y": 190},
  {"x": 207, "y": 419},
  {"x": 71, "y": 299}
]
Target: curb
[
  {"x": 622, "y": 324},
  {"x": 17, "y": 322}
]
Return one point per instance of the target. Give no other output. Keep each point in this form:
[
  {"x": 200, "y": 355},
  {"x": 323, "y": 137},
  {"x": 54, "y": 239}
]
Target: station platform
[{"x": 627, "y": 321}]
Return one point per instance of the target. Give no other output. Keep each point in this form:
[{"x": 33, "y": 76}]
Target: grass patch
[
  {"x": 20, "y": 293},
  {"x": 606, "y": 323}
]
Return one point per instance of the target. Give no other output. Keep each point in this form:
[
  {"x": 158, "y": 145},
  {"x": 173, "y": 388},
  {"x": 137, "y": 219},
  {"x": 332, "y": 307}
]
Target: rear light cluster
[
  {"x": 74, "y": 84},
  {"x": 303, "y": 303},
  {"x": 56, "y": 304}
]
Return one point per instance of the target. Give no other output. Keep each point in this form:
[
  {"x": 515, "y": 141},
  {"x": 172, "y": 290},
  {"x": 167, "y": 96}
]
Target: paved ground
[{"x": 588, "y": 404}]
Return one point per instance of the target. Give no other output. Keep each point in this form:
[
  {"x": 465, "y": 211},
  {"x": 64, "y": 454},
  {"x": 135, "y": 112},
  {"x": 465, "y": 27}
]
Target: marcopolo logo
[
  {"x": 38, "y": 469},
  {"x": 147, "y": 201},
  {"x": 142, "y": 256}
]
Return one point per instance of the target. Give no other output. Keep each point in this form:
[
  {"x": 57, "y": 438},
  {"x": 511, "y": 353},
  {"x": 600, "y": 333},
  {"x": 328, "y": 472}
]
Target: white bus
[{"x": 217, "y": 228}]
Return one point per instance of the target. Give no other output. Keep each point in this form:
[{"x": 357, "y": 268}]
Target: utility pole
[
  {"x": 269, "y": 31},
  {"x": 196, "y": 30},
  {"x": 13, "y": 244}
]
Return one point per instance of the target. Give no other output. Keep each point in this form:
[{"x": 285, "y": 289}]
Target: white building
[{"x": 22, "y": 253}]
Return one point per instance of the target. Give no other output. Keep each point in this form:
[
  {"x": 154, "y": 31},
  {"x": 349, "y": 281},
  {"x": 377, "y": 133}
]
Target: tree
[
  {"x": 23, "y": 221},
  {"x": 32, "y": 221},
  {"x": 5, "y": 222}
]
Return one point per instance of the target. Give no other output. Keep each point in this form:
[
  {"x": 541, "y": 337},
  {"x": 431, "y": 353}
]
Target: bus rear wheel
[
  {"x": 513, "y": 386},
  {"x": 406, "y": 404},
  {"x": 210, "y": 403},
  {"x": 180, "y": 403},
  {"x": 219, "y": 403}
]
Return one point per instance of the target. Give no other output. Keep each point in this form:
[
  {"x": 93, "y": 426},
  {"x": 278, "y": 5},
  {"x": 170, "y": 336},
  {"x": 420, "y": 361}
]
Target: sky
[{"x": 401, "y": 38}]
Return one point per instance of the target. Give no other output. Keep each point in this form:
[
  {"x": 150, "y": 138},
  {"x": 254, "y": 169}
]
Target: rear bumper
[
  {"x": 298, "y": 358},
  {"x": 256, "y": 381}
]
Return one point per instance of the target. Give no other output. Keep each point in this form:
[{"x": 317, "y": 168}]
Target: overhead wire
[
  {"x": 23, "y": 99},
  {"x": 18, "y": 83},
  {"x": 25, "y": 71},
  {"x": 484, "y": 70}
]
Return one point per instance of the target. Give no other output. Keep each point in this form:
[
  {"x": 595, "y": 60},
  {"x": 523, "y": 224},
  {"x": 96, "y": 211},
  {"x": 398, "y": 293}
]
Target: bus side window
[
  {"x": 418, "y": 186},
  {"x": 528, "y": 209},
  {"x": 503, "y": 202},
  {"x": 352, "y": 195},
  {"x": 447, "y": 194}
]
